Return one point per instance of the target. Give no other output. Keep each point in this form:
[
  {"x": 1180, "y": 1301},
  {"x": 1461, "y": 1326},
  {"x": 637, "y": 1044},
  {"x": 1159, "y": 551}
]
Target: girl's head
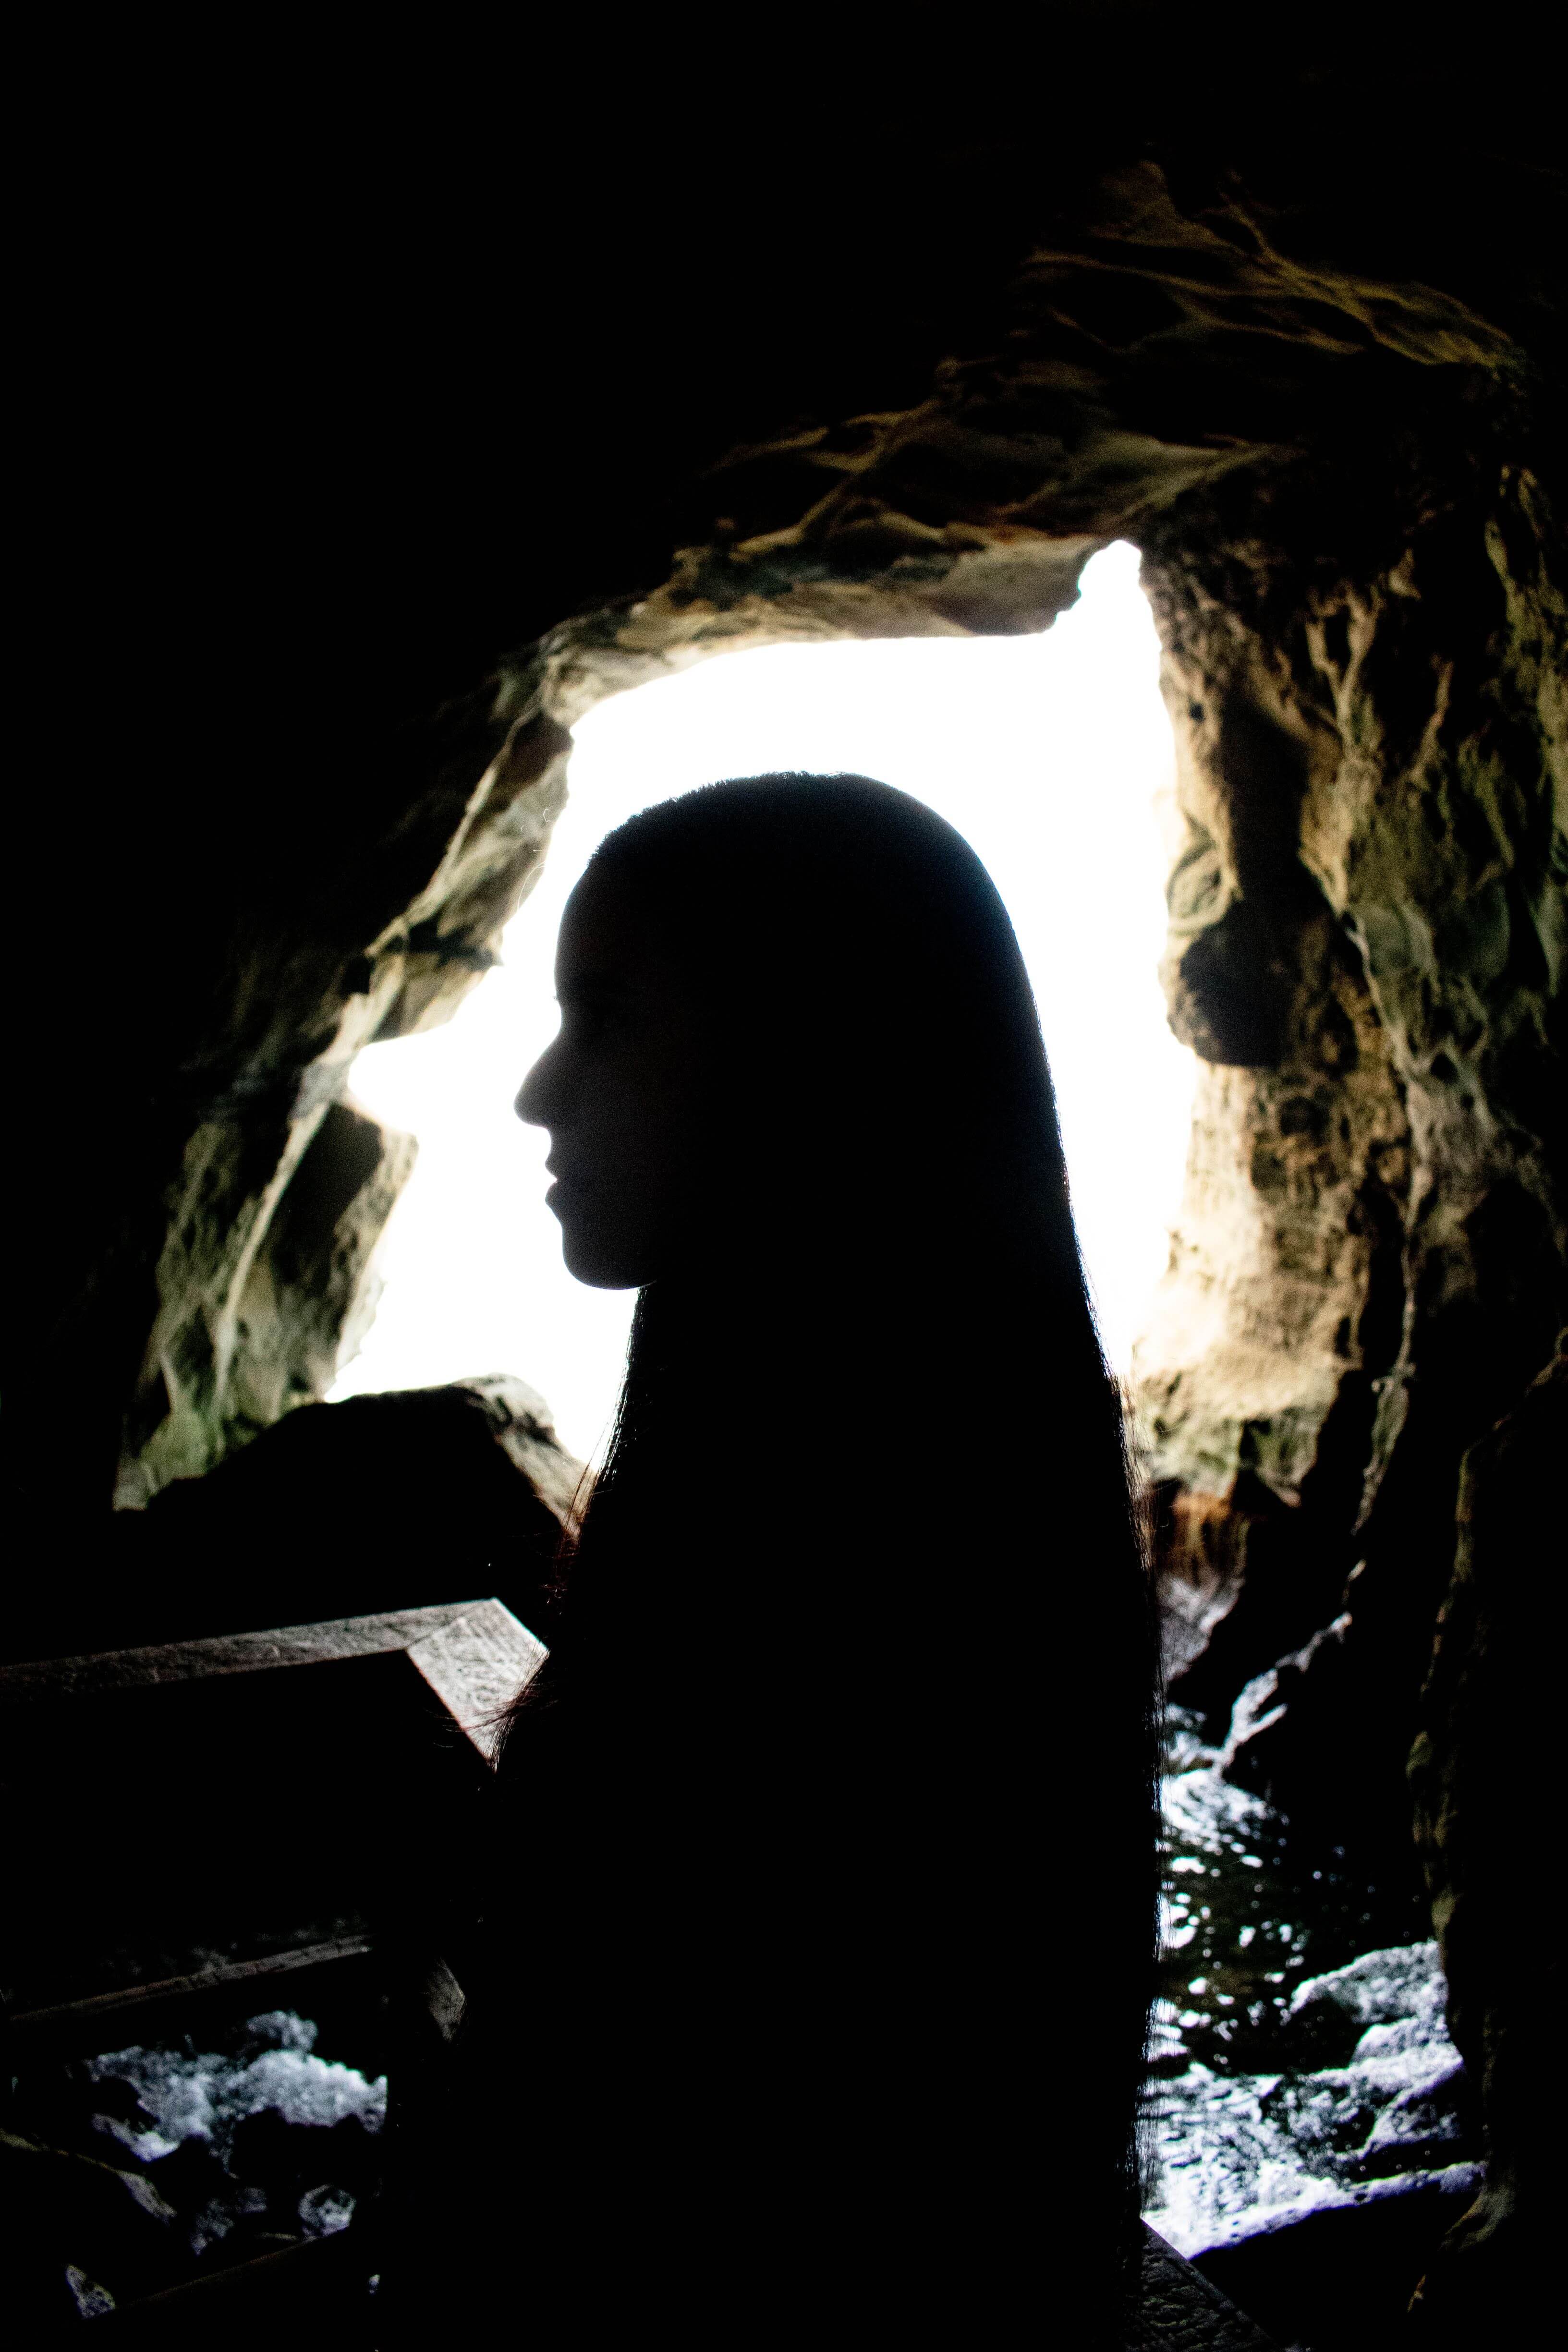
[{"x": 795, "y": 1028}]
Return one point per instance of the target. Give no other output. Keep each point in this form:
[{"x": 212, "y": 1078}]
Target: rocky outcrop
[
  {"x": 1317, "y": 2193},
  {"x": 1483, "y": 1771},
  {"x": 265, "y": 1277},
  {"x": 1428, "y": 846},
  {"x": 219, "y": 2155},
  {"x": 294, "y": 1300},
  {"x": 402, "y": 1499}
]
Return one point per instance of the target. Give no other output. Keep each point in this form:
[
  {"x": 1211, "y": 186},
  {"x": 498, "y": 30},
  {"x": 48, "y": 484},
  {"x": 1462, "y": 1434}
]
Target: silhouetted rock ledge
[{"x": 387, "y": 1501}]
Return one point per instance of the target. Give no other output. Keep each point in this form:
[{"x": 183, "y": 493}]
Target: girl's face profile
[{"x": 621, "y": 1091}]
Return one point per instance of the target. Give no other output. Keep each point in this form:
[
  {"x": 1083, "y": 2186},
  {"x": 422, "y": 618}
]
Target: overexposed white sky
[{"x": 1049, "y": 753}]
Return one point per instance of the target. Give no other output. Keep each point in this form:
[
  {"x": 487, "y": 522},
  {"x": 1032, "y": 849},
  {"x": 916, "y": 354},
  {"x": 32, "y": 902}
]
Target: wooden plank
[
  {"x": 225, "y": 1974},
  {"x": 476, "y": 1665},
  {"x": 231, "y": 1654},
  {"x": 442, "y": 1998},
  {"x": 1182, "y": 2311},
  {"x": 315, "y": 2285},
  {"x": 474, "y": 1657}
]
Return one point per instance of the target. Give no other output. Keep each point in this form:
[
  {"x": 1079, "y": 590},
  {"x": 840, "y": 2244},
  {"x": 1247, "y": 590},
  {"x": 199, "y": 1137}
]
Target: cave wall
[
  {"x": 1482, "y": 1771},
  {"x": 1415, "y": 1146},
  {"x": 364, "y": 466},
  {"x": 267, "y": 1279},
  {"x": 266, "y": 1273}
]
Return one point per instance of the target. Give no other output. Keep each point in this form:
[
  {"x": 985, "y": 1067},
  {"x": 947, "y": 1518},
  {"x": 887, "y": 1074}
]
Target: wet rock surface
[
  {"x": 1241, "y": 2152},
  {"x": 1252, "y": 1911},
  {"x": 1481, "y": 1771},
  {"x": 136, "y": 2170},
  {"x": 1303, "y": 2076}
]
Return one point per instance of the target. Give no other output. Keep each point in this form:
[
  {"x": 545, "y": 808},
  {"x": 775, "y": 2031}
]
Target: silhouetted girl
[{"x": 819, "y": 1974}]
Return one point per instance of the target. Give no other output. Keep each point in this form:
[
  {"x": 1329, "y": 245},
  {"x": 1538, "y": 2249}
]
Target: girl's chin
[{"x": 598, "y": 1269}]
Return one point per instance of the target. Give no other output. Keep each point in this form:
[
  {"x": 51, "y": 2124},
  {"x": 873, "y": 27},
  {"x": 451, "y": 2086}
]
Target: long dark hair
[{"x": 862, "y": 1568}]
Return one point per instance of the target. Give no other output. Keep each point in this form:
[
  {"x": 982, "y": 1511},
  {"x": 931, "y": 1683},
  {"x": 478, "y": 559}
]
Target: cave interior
[{"x": 362, "y": 479}]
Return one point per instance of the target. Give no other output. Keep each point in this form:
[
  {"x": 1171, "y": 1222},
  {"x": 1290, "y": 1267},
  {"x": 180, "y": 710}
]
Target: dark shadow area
[{"x": 380, "y": 1502}]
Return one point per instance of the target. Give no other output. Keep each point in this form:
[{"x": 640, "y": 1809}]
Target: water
[
  {"x": 184, "y": 2093},
  {"x": 1301, "y": 2060},
  {"x": 155, "y": 2161},
  {"x": 1300, "y": 2053}
]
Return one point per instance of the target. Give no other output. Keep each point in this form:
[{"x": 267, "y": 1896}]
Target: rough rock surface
[
  {"x": 290, "y": 1296},
  {"x": 1483, "y": 1770},
  {"x": 142, "y": 2168},
  {"x": 284, "y": 1184},
  {"x": 380, "y": 1502},
  {"x": 1410, "y": 1160},
  {"x": 1317, "y": 2193}
]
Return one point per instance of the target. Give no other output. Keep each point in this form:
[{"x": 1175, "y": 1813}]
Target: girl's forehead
[
  {"x": 598, "y": 924},
  {"x": 610, "y": 934}
]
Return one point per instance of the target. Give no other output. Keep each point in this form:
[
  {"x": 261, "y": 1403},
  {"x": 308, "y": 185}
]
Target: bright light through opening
[{"x": 1051, "y": 754}]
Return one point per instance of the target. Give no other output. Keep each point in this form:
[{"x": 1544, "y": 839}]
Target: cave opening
[{"x": 1050, "y": 751}]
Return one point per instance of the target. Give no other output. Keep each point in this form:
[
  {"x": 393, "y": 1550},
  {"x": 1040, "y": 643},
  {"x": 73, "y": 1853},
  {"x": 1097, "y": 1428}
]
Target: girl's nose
[{"x": 532, "y": 1100}]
